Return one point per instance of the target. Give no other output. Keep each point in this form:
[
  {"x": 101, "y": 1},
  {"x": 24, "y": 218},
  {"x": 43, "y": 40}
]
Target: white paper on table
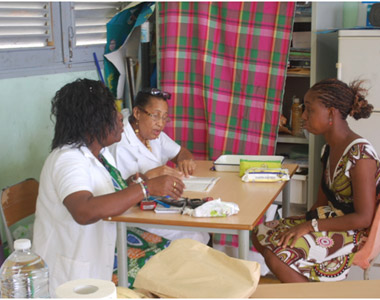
[{"x": 199, "y": 184}]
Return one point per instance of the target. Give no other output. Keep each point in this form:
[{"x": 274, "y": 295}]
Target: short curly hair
[{"x": 84, "y": 111}]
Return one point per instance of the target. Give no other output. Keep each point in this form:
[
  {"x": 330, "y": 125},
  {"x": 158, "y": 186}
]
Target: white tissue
[
  {"x": 87, "y": 288},
  {"x": 214, "y": 208}
]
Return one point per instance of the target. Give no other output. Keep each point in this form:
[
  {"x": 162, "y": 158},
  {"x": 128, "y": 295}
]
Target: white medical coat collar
[
  {"x": 87, "y": 152},
  {"x": 134, "y": 141}
]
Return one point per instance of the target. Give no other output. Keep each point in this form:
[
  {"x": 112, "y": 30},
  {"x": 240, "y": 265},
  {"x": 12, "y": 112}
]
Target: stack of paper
[{"x": 199, "y": 184}]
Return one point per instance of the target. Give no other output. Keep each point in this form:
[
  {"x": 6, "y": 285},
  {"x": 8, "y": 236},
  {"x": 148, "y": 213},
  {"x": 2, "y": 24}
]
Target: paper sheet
[
  {"x": 204, "y": 273},
  {"x": 199, "y": 184}
]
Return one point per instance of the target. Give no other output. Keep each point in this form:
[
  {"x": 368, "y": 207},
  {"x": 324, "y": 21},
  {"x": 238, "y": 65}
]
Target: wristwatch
[{"x": 314, "y": 223}]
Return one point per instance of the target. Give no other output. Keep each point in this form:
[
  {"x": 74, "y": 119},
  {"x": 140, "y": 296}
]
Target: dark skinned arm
[
  {"x": 364, "y": 187},
  {"x": 87, "y": 208}
]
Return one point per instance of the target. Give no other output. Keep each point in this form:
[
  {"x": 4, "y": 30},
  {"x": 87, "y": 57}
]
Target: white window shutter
[
  {"x": 25, "y": 25},
  {"x": 90, "y": 19}
]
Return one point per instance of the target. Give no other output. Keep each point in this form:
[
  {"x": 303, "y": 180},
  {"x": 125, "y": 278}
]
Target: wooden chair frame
[{"x": 17, "y": 202}]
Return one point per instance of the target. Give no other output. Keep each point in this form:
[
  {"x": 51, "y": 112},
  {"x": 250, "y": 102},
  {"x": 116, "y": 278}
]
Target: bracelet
[
  {"x": 138, "y": 180},
  {"x": 144, "y": 189}
]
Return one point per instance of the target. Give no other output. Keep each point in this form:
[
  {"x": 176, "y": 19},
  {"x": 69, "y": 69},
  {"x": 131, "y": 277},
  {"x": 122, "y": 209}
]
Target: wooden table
[
  {"x": 338, "y": 289},
  {"x": 253, "y": 200}
]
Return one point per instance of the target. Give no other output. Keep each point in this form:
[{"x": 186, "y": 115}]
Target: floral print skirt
[
  {"x": 319, "y": 256},
  {"x": 142, "y": 245}
]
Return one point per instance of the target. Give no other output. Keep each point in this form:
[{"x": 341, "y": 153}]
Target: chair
[
  {"x": 17, "y": 202},
  {"x": 365, "y": 258}
]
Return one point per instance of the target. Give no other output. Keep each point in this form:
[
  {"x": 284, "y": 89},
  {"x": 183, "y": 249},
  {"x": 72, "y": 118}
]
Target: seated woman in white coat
[
  {"x": 145, "y": 148},
  {"x": 79, "y": 186}
]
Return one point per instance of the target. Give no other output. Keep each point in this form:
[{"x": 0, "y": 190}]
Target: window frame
[{"x": 52, "y": 59}]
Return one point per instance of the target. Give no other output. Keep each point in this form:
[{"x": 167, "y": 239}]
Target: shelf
[
  {"x": 302, "y": 164},
  {"x": 297, "y": 75},
  {"x": 299, "y": 19},
  {"x": 286, "y": 138},
  {"x": 298, "y": 72}
]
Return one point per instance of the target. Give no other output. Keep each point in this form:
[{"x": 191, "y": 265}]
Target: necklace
[{"x": 147, "y": 144}]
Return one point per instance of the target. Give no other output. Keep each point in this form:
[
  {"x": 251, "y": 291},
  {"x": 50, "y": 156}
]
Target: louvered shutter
[
  {"x": 90, "y": 19},
  {"x": 85, "y": 27},
  {"x": 25, "y": 25}
]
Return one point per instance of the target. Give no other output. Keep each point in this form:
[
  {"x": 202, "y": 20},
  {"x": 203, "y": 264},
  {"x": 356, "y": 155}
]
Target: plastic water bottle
[{"x": 24, "y": 274}]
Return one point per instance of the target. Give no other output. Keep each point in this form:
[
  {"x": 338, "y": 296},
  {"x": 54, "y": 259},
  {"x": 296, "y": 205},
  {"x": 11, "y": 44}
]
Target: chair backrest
[
  {"x": 371, "y": 249},
  {"x": 18, "y": 202}
]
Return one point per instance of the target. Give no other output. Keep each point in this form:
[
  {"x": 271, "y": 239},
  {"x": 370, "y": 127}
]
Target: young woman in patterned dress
[{"x": 320, "y": 246}]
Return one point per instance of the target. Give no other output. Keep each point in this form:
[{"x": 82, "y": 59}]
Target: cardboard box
[{"x": 301, "y": 39}]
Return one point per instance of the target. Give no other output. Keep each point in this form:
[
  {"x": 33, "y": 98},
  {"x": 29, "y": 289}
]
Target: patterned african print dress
[{"x": 326, "y": 255}]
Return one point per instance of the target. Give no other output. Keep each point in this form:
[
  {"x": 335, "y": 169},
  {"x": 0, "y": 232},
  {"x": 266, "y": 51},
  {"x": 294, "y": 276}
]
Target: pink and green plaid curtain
[{"x": 225, "y": 65}]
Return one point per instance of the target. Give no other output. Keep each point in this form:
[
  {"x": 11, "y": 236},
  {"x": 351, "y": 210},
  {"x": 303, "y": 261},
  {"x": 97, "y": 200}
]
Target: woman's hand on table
[
  {"x": 187, "y": 166},
  {"x": 163, "y": 170},
  {"x": 165, "y": 185}
]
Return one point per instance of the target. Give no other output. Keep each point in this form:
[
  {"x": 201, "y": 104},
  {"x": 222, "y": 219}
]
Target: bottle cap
[
  {"x": 22, "y": 244},
  {"x": 296, "y": 100}
]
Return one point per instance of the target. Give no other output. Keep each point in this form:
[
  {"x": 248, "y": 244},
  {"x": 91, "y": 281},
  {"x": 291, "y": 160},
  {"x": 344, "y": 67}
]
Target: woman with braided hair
[{"x": 320, "y": 246}]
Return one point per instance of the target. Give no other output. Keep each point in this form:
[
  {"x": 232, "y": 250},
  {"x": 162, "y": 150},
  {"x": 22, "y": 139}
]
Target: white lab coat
[
  {"x": 132, "y": 156},
  {"x": 73, "y": 251}
]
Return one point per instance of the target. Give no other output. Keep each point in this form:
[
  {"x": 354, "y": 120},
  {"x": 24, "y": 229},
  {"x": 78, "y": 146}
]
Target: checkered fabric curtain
[{"x": 225, "y": 65}]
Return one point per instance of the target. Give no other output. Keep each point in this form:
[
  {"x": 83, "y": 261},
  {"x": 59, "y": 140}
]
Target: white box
[{"x": 298, "y": 190}]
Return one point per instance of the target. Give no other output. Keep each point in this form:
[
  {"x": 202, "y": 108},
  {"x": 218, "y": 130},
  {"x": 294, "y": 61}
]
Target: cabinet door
[
  {"x": 359, "y": 58},
  {"x": 368, "y": 128}
]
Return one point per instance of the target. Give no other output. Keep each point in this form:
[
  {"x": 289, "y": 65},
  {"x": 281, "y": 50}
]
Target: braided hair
[{"x": 348, "y": 99}]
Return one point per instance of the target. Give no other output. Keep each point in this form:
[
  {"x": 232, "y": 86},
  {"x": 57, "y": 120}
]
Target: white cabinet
[
  {"x": 359, "y": 59},
  {"x": 357, "y": 53}
]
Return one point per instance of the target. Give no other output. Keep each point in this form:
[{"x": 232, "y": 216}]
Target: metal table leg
[
  {"x": 122, "y": 259},
  {"x": 243, "y": 244},
  {"x": 286, "y": 200}
]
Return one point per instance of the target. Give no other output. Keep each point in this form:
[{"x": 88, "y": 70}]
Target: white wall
[{"x": 26, "y": 130}]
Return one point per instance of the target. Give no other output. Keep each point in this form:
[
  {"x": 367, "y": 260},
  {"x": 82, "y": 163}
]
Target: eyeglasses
[
  {"x": 157, "y": 92},
  {"x": 156, "y": 117}
]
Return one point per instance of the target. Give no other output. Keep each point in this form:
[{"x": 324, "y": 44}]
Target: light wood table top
[
  {"x": 339, "y": 289},
  {"x": 253, "y": 200}
]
